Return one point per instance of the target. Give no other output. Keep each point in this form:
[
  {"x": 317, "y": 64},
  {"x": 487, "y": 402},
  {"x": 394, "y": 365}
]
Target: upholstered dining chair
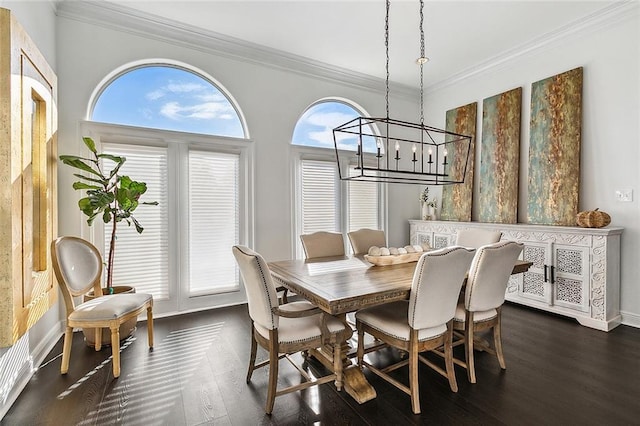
[
  {"x": 483, "y": 300},
  {"x": 362, "y": 239},
  {"x": 476, "y": 238},
  {"x": 77, "y": 265},
  {"x": 322, "y": 244},
  {"x": 422, "y": 323},
  {"x": 285, "y": 329}
]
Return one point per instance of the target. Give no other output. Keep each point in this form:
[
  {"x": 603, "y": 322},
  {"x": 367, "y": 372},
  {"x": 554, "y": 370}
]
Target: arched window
[
  {"x": 183, "y": 135},
  {"x": 170, "y": 98},
  {"x": 323, "y": 202},
  {"x": 315, "y": 126}
]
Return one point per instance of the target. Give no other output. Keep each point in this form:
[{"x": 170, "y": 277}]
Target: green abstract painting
[
  {"x": 554, "y": 149},
  {"x": 457, "y": 198},
  {"x": 500, "y": 158}
]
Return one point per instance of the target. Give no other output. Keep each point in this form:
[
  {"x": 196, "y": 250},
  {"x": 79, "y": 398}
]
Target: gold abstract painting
[
  {"x": 457, "y": 198},
  {"x": 554, "y": 149},
  {"x": 500, "y": 158}
]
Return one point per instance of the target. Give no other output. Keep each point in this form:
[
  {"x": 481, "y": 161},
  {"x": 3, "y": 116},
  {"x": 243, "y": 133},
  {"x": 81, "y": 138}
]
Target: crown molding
[
  {"x": 607, "y": 16},
  {"x": 128, "y": 20}
]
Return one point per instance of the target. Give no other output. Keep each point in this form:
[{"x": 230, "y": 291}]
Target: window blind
[
  {"x": 214, "y": 217},
  {"x": 141, "y": 260},
  {"x": 363, "y": 204},
  {"x": 319, "y": 196}
]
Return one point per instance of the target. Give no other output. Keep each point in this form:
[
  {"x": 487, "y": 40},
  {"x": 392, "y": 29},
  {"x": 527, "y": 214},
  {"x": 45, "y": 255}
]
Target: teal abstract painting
[
  {"x": 500, "y": 158},
  {"x": 457, "y": 198},
  {"x": 554, "y": 149}
]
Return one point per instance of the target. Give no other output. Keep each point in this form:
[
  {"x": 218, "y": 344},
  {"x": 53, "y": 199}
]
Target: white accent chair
[
  {"x": 78, "y": 268},
  {"x": 422, "y": 323},
  {"x": 476, "y": 238},
  {"x": 483, "y": 300},
  {"x": 285, "y": 329},
  {"x": 322, "y": 244},
  {"x": 362, "y": 239}
]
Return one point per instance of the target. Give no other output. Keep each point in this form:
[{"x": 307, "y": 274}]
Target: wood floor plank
[{"x": 558, "y": 372}]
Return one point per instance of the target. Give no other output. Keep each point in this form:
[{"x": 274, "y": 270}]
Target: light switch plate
[{"x": 624, "y": 195}]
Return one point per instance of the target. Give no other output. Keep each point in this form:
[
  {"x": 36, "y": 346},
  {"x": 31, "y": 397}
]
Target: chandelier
[{"x": 396, "y": 151}]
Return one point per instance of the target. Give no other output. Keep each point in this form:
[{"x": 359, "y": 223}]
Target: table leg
[{"x": 355, "y": 383}]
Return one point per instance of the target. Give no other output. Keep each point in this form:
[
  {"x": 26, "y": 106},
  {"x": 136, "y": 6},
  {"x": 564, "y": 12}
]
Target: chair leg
[
  {"x": 413, "y": 372},
  {"x": 360, "y": 350},
  {"x": 252, "y": 358},
  {"x": 448, "y": 359},
  {"x": 273, "y": 370},
  {"x": 150, "y": 325},
  {"x": 98, "y": 339},
  {"x": 497, "y": 341},
  {"x": 115, "y": 350},
  {"x": 66, "y": 350},
  {"x": 468, "y": 347}
]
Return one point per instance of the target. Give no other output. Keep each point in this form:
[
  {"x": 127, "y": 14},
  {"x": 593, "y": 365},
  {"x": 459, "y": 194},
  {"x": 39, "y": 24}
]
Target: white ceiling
[{"x": 460, "y": 35}]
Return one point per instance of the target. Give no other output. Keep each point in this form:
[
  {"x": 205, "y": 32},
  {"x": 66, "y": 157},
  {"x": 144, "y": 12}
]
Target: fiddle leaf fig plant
[{"x": 109, "y": 195}]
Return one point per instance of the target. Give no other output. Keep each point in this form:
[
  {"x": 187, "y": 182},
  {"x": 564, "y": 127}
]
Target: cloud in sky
[
  {"x": 190, "y": 100},
  {"x": 178, "y": 88},
  {"x": 202, "y": 111}
]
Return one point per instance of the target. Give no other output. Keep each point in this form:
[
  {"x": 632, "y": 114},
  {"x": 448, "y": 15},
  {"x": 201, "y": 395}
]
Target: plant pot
[{"x": 126, "y": 328}]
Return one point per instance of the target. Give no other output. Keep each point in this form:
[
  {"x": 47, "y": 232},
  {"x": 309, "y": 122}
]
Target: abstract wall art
[
  {"x": 554, "y": 149},
  {"x": 457, "y": 198},
  {"x": 500, "y": 158}
]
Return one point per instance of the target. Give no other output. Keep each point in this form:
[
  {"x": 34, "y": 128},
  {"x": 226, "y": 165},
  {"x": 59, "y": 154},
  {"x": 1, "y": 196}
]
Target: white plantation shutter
[
  {"x": 141, "y": 260},
  {"x": 363, "y": 204},
  {"x": 319, "y": 196},
  {"x": 214, "y": 217}
]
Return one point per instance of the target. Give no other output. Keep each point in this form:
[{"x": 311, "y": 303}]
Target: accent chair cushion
[{"x": 109, "y": 307}]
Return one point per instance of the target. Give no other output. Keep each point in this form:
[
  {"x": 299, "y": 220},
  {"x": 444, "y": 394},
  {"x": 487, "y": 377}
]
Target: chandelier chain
[
  {"x": 386, "y": 45},
  {"x": 421, "y": 62}
]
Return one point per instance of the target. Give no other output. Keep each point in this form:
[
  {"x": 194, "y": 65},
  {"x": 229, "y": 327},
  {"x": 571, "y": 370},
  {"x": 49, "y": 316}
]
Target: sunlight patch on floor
[{"x": 147, "y": 394}]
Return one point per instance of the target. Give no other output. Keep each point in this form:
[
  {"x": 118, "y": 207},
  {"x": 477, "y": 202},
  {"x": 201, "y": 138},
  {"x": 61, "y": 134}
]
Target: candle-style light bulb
[
  {"x": 430, "y": 152},
  {"x": 397, "y": 146},
  {"x": 413, "y": 148},
  {"x": 379, "y": 145},
  {"x": 445, "y": 157}
]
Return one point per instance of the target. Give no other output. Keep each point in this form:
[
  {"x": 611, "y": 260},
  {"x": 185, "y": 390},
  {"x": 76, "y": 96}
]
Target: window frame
[
  {"x": 300, "y": 153},
  {"x": 163, "y": 62},
  {"x": 178, "y": 144}
]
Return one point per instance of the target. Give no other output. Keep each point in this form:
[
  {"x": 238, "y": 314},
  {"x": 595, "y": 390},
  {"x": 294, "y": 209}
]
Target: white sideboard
[{"x": 575, "y": 272}]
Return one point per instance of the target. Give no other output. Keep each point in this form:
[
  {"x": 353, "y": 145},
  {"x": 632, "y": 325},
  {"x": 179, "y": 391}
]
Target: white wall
[
  {"x": 17, "y": 362},
  {"x": 610, "y": 54},
  {"x": 272, "y": 99}
]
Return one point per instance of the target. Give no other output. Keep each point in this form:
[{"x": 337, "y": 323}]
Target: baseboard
[
  {"x": 632, "y": 320},
  {"x": 29, "y": 367}
]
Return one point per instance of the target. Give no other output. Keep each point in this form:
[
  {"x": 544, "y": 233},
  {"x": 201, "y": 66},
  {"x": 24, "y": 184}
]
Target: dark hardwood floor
[{"x": 558, "y": 372}]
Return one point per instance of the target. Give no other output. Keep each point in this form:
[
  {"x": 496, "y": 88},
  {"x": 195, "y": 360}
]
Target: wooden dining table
[{"x": 342, "y": 284}]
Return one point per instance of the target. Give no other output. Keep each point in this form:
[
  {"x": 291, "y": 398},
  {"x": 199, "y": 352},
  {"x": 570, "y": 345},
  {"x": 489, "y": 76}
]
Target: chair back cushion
[
  {"x": 476, "y": 238},
  {"x": 322, "y": 244},
  {"x": 436, "y": 286},
  {"x": 362, "y": 239},
  {"x": 77, "y": 264},
  {"x": 489, "y": 275},
  {"x": 261, "y": 293}
]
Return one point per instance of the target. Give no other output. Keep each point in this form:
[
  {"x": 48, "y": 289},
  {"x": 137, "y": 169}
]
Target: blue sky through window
[
  {"x": 168, "y": 98},
  {"x": 315, "y": 127}
]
